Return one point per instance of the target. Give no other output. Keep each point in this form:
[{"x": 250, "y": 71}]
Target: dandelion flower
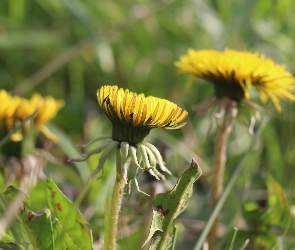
[
  {"x": 234, "y": 73},
  {"x": 133, "y": 116},
  {"x": 46, "y": 109},
  {"x": 8, "y": 108}
]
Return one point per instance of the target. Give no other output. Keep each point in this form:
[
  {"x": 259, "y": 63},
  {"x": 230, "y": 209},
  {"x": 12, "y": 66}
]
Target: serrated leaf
[
  {"x": 17, "y": 229},
  {"x": 47, "y": 232},
  {"x": 69, "y": 216},
  {"x": 37, "y": 230},
  {"x": 167, "y": 206}
]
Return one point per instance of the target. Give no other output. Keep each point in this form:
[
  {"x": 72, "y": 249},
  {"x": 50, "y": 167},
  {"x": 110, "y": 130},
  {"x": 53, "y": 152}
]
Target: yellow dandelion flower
[
  {"x": 8, "y": 108},
  {"x": 25, "y": 109},
  {"x": 8, "y": 104},
  {"x": 46, "y": 108},
  {"x": 134, "y": 115},
  {"x": 233, "y": 73}
]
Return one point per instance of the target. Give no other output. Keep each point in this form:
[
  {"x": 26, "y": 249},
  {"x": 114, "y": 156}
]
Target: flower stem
[
  {"x": 230, "y": 111},
  {"x": 112, "y": 214},
  {"x": 237, "y": 170}
]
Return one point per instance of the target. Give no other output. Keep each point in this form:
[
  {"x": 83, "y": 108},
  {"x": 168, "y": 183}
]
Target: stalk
[
  {"x": 229, "y": 187},
  {"x": 114, "y": 206},
  {"x": 230, "y": 111}
]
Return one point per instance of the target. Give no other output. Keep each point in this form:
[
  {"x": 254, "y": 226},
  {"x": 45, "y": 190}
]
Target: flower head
[
  {"x": 46, "y": 109},
  {"x": 8, "y": 108},
  {"x": 233, "y": 73},
  {"x": 134, "y": 115},
  {"x": 15, "y": 109}
]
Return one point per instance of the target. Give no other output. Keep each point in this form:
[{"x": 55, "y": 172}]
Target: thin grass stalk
[
  {"x": 83, "y": 193},
  {"x": 219, "y": 164}
]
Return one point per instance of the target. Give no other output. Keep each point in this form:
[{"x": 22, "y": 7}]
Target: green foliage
[
  {"x": 167, "y": 206},
  {"x": 69, "y": 49},
  {"x": 232, "y": 240},
  {"x": 268, "y": 219},
  {"x": 70, "y": 217},
  {"x": 70, "y": 151},
  {"x": 61, "y": 226}
]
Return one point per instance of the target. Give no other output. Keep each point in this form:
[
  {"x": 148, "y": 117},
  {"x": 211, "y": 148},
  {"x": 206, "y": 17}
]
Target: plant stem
[
  {"x": 112, "y": 213},
  {"x": 230, "y": 111},
  {"x": 236, "y": 173},
  {"x": 175, "y": 230}
]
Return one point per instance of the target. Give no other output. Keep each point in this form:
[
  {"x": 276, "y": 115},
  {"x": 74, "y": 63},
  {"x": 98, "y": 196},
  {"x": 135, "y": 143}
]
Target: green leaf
[
  {"x": 265, "y": 240},
  {"x": 69, "y": 216},
  {"x": 253, "y": 213},
  {"x": 167, "y": 206},
  {"x": 17, "y": 230},
  {"x": 36, "y": 230},
  {"x": 276, "y": 211},
  {"x": 271, "y": 220},
  {"x": 46, "y": 232},
  {"x": 278, "y": 203}
]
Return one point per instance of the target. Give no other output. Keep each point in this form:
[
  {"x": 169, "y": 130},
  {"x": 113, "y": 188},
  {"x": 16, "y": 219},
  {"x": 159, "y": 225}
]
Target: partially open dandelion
[
  {"x": 133, "y": 116},
  {"x": 234, "y": 73}
]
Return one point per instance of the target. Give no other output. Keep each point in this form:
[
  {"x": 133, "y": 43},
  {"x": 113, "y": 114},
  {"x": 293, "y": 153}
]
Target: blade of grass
[
  {"x": 67, "y": 147},
  {"x": 180, "y": 148},
  {"x": 175, "y": 231},
  {"x": 231, "y": 244}
]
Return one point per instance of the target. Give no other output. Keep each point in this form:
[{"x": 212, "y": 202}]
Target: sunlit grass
[{"x": 70, "y": 50}]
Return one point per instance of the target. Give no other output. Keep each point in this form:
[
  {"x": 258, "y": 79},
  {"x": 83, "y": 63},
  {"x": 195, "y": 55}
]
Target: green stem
[
  {"x": 236, "y": 173},
  {"x": 175, "y": 230},
  {"x": 231, "y": 244},
  {"x": 28, "y": 143},
  {"x": 114, "y": 206},
  {"x": 219, "y": 164}
]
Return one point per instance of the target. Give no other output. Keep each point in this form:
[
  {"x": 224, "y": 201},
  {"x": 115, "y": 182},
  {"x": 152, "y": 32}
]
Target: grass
[{"x": 68, "y": 49}]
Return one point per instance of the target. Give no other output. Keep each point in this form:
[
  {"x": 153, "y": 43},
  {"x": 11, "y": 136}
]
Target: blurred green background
[{"x": 70, "y": 48}]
